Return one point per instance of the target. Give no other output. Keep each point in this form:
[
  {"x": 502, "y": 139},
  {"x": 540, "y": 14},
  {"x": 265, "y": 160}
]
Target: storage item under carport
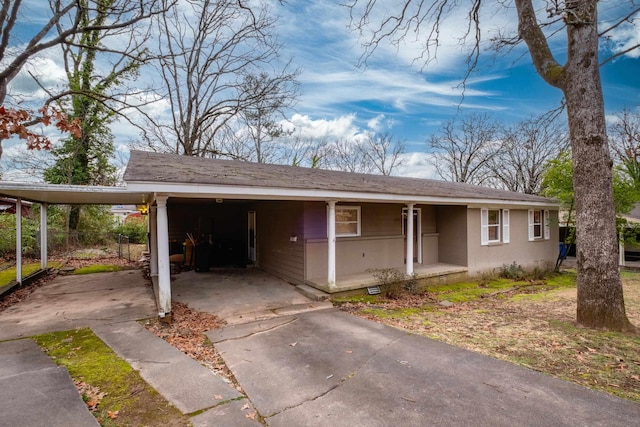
[{"x": 202, "y": 253}]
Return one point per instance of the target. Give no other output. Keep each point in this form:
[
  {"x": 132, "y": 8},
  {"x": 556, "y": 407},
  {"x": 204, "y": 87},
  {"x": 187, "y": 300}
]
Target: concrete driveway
[
  {"x": 330, "y": 368},
  {"x": 240, "y": 295},
  {"x": 70, "y": 302}
]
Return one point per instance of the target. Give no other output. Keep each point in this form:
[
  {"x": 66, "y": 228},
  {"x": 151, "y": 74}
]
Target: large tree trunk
[{"x": 600, "y": 298}]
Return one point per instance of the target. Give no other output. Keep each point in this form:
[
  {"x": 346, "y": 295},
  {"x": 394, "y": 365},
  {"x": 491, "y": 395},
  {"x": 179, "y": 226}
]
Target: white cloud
[
  {"x": 47, "y": 68},
  {"x": 375, "y": 124},
  {"x": 417, "y": 165},
  {"x": 338, "y": 128},
  {"x": 623, "y": 35}
]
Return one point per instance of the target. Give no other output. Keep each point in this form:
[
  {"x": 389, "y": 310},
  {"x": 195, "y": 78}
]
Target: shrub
[
  {"x": 134, "y": 228},
  {"x": 395, "y": 282},
  {"x": 512, "y": 271},
  {"x": 8, "y": 234}
]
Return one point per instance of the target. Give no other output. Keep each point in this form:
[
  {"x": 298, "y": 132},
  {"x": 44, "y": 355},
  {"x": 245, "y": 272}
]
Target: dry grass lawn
[{"x": 528, "y": 323}]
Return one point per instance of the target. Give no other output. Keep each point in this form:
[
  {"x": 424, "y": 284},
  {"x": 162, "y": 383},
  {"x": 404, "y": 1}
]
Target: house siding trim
[{"x": 296, "y": 194}]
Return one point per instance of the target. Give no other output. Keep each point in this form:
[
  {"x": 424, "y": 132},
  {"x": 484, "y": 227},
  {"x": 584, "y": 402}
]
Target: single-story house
[{"x": 320, "y": 228}]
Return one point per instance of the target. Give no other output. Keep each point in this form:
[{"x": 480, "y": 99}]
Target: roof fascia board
[
  {"x": 28, "y": 191},
  {"x": 265, "y": 193}
]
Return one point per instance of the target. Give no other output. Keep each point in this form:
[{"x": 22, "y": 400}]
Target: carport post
[
  {"x": 331, "y": 244},
  {"x": 410, "y": 238},
  {"x": 19, "y": 240},
  {"x": 153, "y": 241},
  {"x": 43, "y": 236},
  {"x": 164, "y": 270}
]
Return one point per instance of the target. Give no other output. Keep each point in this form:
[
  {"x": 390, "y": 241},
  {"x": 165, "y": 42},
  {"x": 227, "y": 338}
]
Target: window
[
  {"x": 347, "y": 221},
  {"x": 494, "y": 227},
  {"x": 538, "y": 224}
]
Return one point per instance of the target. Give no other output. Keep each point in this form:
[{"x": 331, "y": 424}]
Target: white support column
[
  {"x": 164, "y": 270},
  {"x": 153, "y": 241},
  {"x": 410, "y": 232},
  {"x": 331, "y": 243},
  {"x": 44, "y": 253},
  {"x": 19, "y": 240}
]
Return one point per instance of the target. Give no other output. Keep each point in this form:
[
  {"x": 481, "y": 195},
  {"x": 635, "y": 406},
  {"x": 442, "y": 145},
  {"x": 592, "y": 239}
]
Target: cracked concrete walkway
[{"x": 330, "y": 368}]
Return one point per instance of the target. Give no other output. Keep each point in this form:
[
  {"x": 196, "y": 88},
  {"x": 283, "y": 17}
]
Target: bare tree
[
  {"x": 625, "y": 143},
  {"x": 346, "y": 155},
  {"x": 298, "y": 150},
  {"x": 260, "y": 124},
  {"x": 600, "y": 297},
  {"x": 383, "y": 153},
  {"x": 462, "y": 151},
  {"x": 518, "y": 164},
  {"x": 209, "y": 50},
  {"x": 62, "y": 25},
  {"x": 368, "y": 153}
]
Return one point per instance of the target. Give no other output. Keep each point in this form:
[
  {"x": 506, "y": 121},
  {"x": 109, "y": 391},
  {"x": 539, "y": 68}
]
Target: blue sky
[
  {"x": 415, "y": 101},
  {"x": 394, "y": 93}
]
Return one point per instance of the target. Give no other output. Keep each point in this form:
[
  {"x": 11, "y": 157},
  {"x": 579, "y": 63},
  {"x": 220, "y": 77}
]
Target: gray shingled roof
[{"x": 147, "y": 167}]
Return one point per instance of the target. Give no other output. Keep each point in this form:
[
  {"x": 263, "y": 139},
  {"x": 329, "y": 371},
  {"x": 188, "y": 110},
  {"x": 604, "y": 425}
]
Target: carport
[{"x": 49, "y": 194}]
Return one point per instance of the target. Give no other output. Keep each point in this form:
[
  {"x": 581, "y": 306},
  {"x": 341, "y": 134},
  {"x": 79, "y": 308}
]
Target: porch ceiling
[{"x": 73, "y": 194}]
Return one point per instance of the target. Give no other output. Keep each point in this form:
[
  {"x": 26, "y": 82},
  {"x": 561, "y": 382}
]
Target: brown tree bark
[{"x": 600, "y": 297}]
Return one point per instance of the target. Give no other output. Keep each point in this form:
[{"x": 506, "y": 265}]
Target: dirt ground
[{"x": 533, "y": 328}]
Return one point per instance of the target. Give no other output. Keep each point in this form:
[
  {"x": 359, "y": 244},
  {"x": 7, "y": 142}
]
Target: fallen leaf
[
  {"x": 217, "y": 397},
  {"x": 251, "y": 416},
  {"x": 113, "y": 415},
  {"x": 293, "y": 344},
  {"x": 246, "y": 406}
]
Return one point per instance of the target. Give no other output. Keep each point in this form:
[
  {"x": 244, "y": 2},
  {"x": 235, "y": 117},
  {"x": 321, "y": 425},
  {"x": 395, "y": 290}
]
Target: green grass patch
[
  {"x": 98, "y": 268},
  {"x": 396, "y": 313},
  {"x": 361, "y": 298},
  {"x": 9, "y": 274},
  {"x": 628, "y": 274},
  {"x": 565, "y": 279},
  {"x": 90, "y": 361}
]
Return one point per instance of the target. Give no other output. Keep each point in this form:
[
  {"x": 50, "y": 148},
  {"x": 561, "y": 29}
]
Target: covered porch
[{"x": 353, "y": 281}]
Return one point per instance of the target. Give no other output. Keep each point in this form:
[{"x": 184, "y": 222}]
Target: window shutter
[
  {"x": 547, "y": 228},
  {"x": 531, "y": 229},
  {"x": 505, "y": 226},
  {"x": 484, "y": 227}
]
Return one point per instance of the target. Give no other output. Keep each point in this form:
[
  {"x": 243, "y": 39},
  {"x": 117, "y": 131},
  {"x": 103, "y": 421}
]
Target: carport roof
[
  {"x": 175, "y": 173},
  {"x": 73, "y": 194}
]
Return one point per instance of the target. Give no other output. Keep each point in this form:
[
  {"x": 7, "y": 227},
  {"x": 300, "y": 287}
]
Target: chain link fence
[{"x": 73, "y": 244}]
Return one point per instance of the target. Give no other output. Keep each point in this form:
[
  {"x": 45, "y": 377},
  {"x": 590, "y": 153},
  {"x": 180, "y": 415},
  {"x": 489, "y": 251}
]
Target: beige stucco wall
[
  {"x": 430, "y": 248},
  {"x": 452, "y": 234},
  {"x": 519, "y": 249}
]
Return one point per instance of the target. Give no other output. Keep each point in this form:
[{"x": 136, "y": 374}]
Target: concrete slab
[
  {"x": 70, "y": 302},
  {"x": 181, "y": 380},
  {"x": 34, "y": 391},
  {"x": 237, "y": 296},
  {"x": 312, "y": 293},
  {"x": 331, "y": 368},
  {"x": 237, "y": 413}
]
